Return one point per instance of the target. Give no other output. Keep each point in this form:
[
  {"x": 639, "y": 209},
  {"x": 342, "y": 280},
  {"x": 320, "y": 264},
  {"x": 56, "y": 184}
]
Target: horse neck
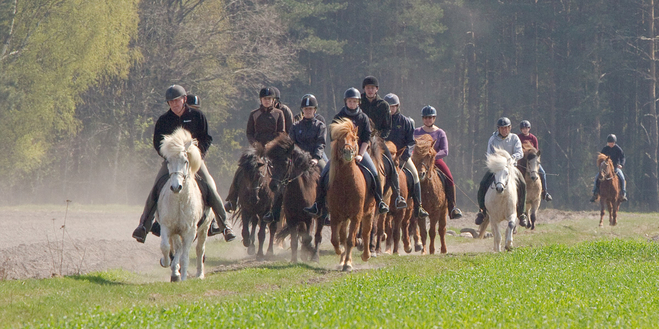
[{"x": 339, "y": 169}]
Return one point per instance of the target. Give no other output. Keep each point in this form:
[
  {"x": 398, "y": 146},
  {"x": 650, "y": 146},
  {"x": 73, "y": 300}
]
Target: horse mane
[
  {"x": 338, "y": 131},
  {"x": 529, "y": 151},
  {"x": 250, "y": 160},
  {"x": 601, "y": 157},
  {"x": 424, "y": 145},
  {"x": 283, "y": 148},
  {"x": 377, "y": 149},
  {"x": 497, "y": 161},
  {"x": 179, "y": 141}
]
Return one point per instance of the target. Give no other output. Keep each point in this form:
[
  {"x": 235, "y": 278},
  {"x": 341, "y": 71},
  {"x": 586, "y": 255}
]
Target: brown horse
[
  {"x": 609, "y": 189},
  {"x": 348, "y": 200},
  {"x": 529, "y": 166},
  {"x": 254, "y": 199},
  {"x": 398, "y": 219},
  {"x": 293, "y": 173},
  {"x": 432, "y": 192}
]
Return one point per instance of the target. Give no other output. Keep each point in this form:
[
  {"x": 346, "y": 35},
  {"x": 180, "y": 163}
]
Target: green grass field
[{"x": 565, "y": 274}]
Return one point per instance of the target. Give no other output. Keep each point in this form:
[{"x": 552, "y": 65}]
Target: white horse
[
  {"x": 180, "y": 206},
  {"x": 501, "y": 197}
]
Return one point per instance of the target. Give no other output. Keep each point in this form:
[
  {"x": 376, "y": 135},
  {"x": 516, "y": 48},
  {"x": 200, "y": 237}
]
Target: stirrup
[
  {"x": 456, "y": 213},
  {"x": 546, "y": 196},
  {"x": 228, "y": 234},
  {"x": 421, "y": 213},
  {"x": 594, "y": 197},
  {"x": 383, "y": 208},
  {"x": 313, "y": 210},
  {"x": 400, "y": 202},
  {"x": 268, "y": 218}
]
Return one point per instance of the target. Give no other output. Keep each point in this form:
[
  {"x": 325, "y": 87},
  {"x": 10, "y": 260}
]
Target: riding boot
[
  {"x": 455, "y": 212},
  {"x": 521, "y": 200},
  {"x": 148, "y": 214},
  {"x": 212, "y": 199},
  {"x": 274, "y": 214},
  {"x": 596, "y": 191},
  {"x": 318, "y": 209},
  {"x": 232, "y": 197},
  {"x": 376, "y": 188},
  {"x": 487, "y": 180},
  {"x": 418, "y": 208},
  {"x": 393, "y": 180}
]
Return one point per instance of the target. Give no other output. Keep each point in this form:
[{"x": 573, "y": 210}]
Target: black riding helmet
[
  {"x": 352, "y": 93},
  {"x": 193, "y": 101},
  {"x": 370, "y": 80},
  {"x": 428, "y": 111},
  {"x": 503, "y": 122},
  {"x": 611, "y": 138},
  {"x": 524, "y": 124},
  {"x": 174, "y": 92},
  {"x": 277, "y": 93},
  {"x": 309, "y": 100},
  {"x": 267, "y": 92}
]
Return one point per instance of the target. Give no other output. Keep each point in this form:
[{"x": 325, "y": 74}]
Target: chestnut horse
[
  {"x": 254, "y": 200},
  {"x": 609, "y": 189},
  {"x": 293, "y": 175},
  {"x": 398, "y": 219},
  {"x": 432, "y": 192},
  {"x": 529, "y": 166},
  {"x": 348, "y": 199}
]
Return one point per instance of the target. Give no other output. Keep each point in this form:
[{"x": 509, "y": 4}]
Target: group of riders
[{"x": 372, "y": 115}]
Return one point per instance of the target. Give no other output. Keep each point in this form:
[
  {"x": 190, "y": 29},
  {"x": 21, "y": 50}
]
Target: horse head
[
  {"x": 530, "y": 163},
  {"x": 280, "y": 151},
  {"x": 605, "y": 166},
  {"x": 424, "y": 156},
  {"x": 502, "y": 165},
  {"x": 345, "y": 144},
  {"x": 183, "y": 157}
]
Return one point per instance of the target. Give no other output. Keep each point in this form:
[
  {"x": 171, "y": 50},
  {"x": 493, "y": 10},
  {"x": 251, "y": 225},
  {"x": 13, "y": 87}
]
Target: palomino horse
[
  {"x": 293, "y": 173},
  {"x": 348, "y": 200},
  {"x": 180, "y": 207},
  {"x": 501, "y": 198},
  {"x": 609, "y": 189},
  {"x": 398, "y": 219},
  {"x": 528, "y": 166},
  {"x": 432, "y": 193},
  {"x": 254, "y": 200}
]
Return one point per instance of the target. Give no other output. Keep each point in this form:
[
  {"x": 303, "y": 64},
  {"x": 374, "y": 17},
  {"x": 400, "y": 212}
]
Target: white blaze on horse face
[
  {"x": 178, "y": 171},
  {"x": 501, "y": 180},
  {"x": 532, "y": 168}
]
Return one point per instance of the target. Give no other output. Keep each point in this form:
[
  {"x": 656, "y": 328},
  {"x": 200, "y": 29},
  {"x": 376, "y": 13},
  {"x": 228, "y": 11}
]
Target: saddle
[
  {"x": 410, "y": 179},
  {"x": 443, "y": 177},
  {"x": 368, "y": 176}
]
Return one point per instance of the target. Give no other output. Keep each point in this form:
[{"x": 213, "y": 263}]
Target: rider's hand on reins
[
  {"x": 358, "y": 158},
  {"x": 314, "y": 162}
]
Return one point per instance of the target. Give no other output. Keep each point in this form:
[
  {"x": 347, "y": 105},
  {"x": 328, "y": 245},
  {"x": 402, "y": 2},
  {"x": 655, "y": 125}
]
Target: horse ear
[
  {"x": 187, "y": 145},
  {"x": 432, "y": 145},
  {"x": 538, "y": 153}
]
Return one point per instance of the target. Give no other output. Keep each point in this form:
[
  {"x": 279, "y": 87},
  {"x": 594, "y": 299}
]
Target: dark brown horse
[
  {"x": 295, "y": 177},
  {"x": 254, "y": 199},
  {"x": 348, "y": 200},
  {"x": 609, "y": 189},
  {"x": 432, "y": 192},
  {"x": 529, "y": 166}
]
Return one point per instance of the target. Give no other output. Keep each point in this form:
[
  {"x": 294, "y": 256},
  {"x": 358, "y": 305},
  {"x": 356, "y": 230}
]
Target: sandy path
[{"x": 95, "y": 240}]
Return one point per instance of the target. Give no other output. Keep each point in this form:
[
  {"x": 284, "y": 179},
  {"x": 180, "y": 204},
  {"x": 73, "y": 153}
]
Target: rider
[
  {"x": 378, "y": 111},
  {"x": 402, "y": 135},
  {"x": 288, "y": 114},
  {"x": 503, "y": 139},
  {"x": 193, "y": 120},
  {"x": 309, "y": 134},
  {"x": 527, "y": 136},
  {"x": 613, "y": 151},
  {"x": 263, "y": 125},
  {"x": 352, "y": 111},
  {"x": 429, "y": 115}
]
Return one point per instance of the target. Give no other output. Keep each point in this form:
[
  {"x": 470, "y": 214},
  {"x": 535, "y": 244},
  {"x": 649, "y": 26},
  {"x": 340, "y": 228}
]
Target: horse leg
[
  {"x": 405, "y": 224},
  {"x": 494, "y": 226},
  {"x": 261, "y": 236},
  {"x": 201, "y": 251},
  {"x": 251, "y": 249},
  {"x": 396, "y": 234},
  {"x": 367, "y": 221},
  {"x": 186, "y": 244},
  {"x": 353, "y": 231},
  {"x": 610, "y": 207},
  {"x": 602, "y": 210},
  {"x": 388, "y": 234},
  {"x": 433, "y": 233},
  {"x": 373, "y": 236},
  {"x": 271, "y": 243},
  {"x": 318, "y": 238},
  {"x": 176, "y": 250},
  {"x": 441, "y": 229},
  {"x": 294, "y": 245},
  {"x": 421, "y": 236},
  {"x": 343, "y": 238},
  {"x": 509, "y": 232},
  {"x": 165, "y": 247}
]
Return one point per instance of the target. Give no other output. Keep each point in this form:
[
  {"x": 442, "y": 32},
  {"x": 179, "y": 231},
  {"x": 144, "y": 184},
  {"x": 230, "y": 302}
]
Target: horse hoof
[
  {"x": 408, "y": 250},
  {"x": 251, "y": 250},
  {"x": 315, "y": 258},
  {"x": 347, "y": 268},
  {"x": 418, "y": 247},
  {"x": 601, "y": 225},
  {"x": 162, "y": 263},
  {"x": 175, "y": 278},
  {"x": 260, "y": 257},
  {"x": 509, "y": 248}
]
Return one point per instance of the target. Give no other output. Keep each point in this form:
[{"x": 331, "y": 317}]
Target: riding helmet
[
  {"x": 392, "y": 99},
  {"x": 193, "y": 101},
  {"x": 352, "y": 93},
  {"x": 174, "y": 92},
  {"x": 428, "y": 111},
  {"x": 524, "y": 124},
  {"x": 267, "y": 92},
  {"x": 611, "y": 138},
  {"x": 309, "y": 100},
  {"x": 277, "y": 93},
  {"x": 370, "y": 80},
  {"x": 503, "y": 122}
]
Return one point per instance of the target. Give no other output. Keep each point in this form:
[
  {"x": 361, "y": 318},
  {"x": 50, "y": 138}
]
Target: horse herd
[{"x": 282, "y": 168}]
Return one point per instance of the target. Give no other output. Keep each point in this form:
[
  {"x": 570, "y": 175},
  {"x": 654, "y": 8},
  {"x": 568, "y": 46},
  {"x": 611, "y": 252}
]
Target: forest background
[{"x": 82, "y": 83}]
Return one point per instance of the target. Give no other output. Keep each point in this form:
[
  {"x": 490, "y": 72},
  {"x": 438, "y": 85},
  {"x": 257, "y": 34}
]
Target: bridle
[
  {"x": 284, "y": 181},
  {"x": 185, "y": 174}
]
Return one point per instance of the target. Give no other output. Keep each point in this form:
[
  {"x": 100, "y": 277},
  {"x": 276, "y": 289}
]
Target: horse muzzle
[
  {"x": 274, "y": 185},
  {"x": 500, "y": 187},
  {"x": 176, "y": 188}
]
